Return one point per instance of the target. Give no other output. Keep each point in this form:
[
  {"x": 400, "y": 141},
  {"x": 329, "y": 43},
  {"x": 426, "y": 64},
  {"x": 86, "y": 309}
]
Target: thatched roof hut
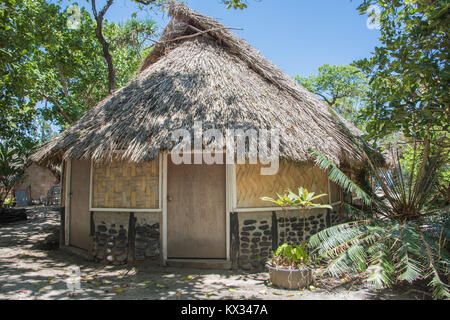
[
  {"x": 199, "y": 70},
  {"x": 121, "y": 184}
]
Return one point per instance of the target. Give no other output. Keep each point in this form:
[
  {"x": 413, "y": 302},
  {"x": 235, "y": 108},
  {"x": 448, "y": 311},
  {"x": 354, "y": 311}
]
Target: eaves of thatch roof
[{"x": 201, "y": 71}]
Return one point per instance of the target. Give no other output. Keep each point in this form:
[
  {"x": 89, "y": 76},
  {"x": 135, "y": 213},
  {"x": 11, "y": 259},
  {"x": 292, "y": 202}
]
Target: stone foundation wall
[
  {"x": 147, "y": 237},
  {"x": 255, "y": 239},
  {"x": 259, "y": 234},
  {"x": 120, "y": 238},
  {"x": 335, "y": 216}
]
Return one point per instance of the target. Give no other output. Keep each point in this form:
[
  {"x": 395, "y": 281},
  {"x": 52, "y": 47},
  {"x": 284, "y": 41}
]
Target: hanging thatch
[{"x": 214, "y": 77}]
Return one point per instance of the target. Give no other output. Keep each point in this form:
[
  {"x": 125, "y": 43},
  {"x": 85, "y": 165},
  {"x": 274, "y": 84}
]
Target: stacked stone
[
  {"x": 335, "y": 218},
  {"x": 111, "y": 245},
  {"x": 258, "y": 237},
  {"x": 291, "y": 229},
  {"x": 147, "y": 242},
  {"x": 255, "y": 244}
]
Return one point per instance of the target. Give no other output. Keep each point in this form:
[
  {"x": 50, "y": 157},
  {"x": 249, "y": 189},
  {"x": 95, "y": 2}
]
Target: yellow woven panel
[
  {"x": 252, "y": 186},
  {"x": 121, "y": 185}
]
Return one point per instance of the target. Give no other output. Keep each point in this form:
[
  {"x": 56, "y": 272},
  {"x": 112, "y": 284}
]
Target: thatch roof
[{"x": 214, "y": 77}]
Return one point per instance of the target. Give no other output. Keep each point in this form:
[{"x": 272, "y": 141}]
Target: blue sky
[{"x": 297, "y": 35}]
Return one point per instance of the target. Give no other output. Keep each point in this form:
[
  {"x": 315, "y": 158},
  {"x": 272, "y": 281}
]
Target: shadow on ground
[{"x": 29, "y": 269}]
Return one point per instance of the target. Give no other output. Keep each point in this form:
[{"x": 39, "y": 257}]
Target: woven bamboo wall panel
[
  {"x": 122, "y": 185},
  {"x": 252, "y": 186}
]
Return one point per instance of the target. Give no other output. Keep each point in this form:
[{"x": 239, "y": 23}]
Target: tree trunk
[
  {"x": 105, "y": 45},
  {"x": 107, "y": 56}
]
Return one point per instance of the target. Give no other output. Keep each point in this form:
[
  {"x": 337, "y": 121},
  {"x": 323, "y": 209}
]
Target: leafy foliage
[
  {"x": 398, "y": 236},
  {"x": 236, "y": 4},
  {"x": 339, "y": 178},
  {"x": 12, "y": 162},
  {"x": 343, "y": 88},
  {"x": 23, "y": 24},
  {"x": 303, "y": 200},
  {"x": 409, "y": 73},
  {"x": 49, "y": 72},
  {"x": 288, "y": 256},
  {"x": 294, "y": 256}
]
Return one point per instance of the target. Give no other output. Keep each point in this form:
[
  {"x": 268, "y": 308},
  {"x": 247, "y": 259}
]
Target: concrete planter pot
[{"x": 291, "y": 279}]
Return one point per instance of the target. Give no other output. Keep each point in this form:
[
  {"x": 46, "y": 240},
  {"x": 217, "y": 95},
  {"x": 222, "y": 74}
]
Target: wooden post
[
  {"x": 62, "y": 227},
  {"x": 328, "y": 218},
  {"x": 67, "y": 203},
  {"x": 234, "y": 235},
  {"x": 91, "y": 236},
  {"x": 131, "y": 238},
  {"x": 274, "y": 231}
]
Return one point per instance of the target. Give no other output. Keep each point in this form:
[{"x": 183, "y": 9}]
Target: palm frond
[
  {"x": 339, "y": 177},
  {"x": 347, "y": 261},
  {"x": 408, "y": 247},
  {"x": 381, "y": 269},
  {"x": 336, "y": 235},
  {"x": 344, "y": 246},
  {"x": 356, "y": 214},
  {"x": 440, "y": 289}
]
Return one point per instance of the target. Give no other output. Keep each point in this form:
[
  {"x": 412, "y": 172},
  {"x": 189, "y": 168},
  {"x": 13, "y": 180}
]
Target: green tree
[
  {"x": 12, "y": 164},
  {"x": 99, "y": 16},
  {"x": 236, "y": 4},
  {"x": 23, "y": 28},
  {"x": 409, "y": 73},
  {"x": 342, "y": 87},
  {"x": 55, "y": 72},
  {"x": 63, "y": 71},
  {"x": 80, "y": 78}
]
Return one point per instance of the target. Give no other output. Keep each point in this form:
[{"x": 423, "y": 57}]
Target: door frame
[
  {"x": 230, "y": 202},
  {"x": 68, "y": 173}
]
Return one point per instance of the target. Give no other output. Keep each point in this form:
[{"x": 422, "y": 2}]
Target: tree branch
[
  {"x": 105, "y": 45},
  {"x": 60, "y": 109}
]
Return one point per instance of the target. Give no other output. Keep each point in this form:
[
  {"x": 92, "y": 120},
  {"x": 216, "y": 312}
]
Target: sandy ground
[{"x": 31, "y": 268}]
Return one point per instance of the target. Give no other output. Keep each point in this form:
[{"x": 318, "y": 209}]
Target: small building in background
[{"x": 35, "y": 185}]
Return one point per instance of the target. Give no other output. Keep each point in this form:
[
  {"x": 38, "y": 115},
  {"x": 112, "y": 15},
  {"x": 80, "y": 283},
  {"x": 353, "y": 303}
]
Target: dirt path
[{"x": 29, "y": 270}]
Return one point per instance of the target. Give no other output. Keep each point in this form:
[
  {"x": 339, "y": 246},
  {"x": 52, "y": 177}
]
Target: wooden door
[
  {"x": 196, "y": 221},
  {"x": 79, "y": 204}
]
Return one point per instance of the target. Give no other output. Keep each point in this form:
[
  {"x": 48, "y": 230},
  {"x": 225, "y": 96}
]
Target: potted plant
[{"x": 290, "y": 265}]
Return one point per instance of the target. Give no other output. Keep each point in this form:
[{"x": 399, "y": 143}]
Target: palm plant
[{"x": 398, "y": 235}]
